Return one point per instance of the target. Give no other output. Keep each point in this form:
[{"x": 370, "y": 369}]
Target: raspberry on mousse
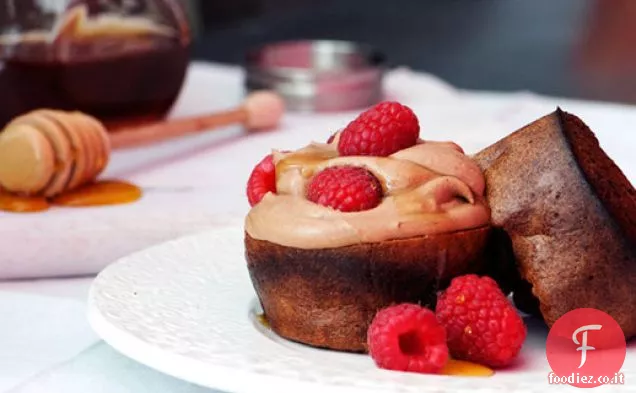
[
  {"x": 380, "y": 131},
  {"x": 262, "y": 180},
  {"x": 345, "y": 188}
]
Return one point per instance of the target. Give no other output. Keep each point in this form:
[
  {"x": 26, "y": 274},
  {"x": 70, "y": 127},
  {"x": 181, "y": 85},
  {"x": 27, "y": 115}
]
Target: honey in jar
[{"x": 121, "y": 61}]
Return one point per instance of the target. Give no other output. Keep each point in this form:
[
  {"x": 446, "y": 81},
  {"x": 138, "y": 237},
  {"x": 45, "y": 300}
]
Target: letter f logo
[{"x": 583, "y": 344}]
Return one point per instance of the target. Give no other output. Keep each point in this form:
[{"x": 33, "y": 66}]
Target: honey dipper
[{"x": 47, "y": 152}]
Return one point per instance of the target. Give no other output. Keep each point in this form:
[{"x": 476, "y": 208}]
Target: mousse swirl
[{"x": 430, "y": 188}]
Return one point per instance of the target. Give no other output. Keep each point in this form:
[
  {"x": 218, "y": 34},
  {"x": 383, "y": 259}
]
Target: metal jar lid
[{"x": 318, "y": 76}]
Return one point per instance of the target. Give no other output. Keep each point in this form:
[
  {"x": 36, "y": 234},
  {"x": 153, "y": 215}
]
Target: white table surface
[{"x": 46, "y": 344}]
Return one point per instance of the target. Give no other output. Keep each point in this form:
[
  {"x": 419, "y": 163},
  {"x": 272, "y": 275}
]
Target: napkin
[
  {"x": 81, "y": 241},
  {"x": 198, "y": 182}
]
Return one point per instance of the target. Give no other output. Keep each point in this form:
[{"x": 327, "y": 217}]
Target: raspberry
[
  {"x": 262, "y": 180},
  {"x": 407, "y": 337},
  {"x": 345, "y": 188},
  {"x": 482, "y": 325},
  {"x": 380, "y": 131}
]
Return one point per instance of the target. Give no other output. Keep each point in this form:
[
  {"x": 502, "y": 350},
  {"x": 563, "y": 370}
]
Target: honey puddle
[
  {"x": 107, "y": 192},
  {"x": 466, "y": 369},
  {"x": 20, "y": 204},
  {"x": 459, "y": 368},
  {"x": 262, "y": 319},
  {"x": 102, "y": 193}
]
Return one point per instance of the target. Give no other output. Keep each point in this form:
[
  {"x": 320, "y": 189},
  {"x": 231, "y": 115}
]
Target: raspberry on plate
[
  {"x": 482, "y": 325},
  {"x": 380, "y": 131},
  {"x": 345, "y": 188},
  {"x": 262, "y": 180},
  {"x": 407, "y": 337}
]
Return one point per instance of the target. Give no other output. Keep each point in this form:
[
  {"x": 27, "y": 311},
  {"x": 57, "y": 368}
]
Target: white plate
[{"x": 187, "y": 308}]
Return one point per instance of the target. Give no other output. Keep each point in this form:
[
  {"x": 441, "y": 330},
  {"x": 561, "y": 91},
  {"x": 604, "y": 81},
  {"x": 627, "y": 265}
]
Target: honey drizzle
[
  {"x": 306, "y": 161},
  {"x": 456, "y": 368},
  {"x": 102, "y": 193}
]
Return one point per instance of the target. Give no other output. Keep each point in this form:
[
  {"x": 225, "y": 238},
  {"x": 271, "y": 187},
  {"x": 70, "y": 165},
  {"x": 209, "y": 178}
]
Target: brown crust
[
  {"x": 327, "y": 297},
  {"x": 569, "y": 249},
  {"x": 606, "y": 179}
]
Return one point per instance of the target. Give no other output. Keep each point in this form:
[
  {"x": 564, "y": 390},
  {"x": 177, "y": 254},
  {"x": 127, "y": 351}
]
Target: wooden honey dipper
[{"x": 47, "y": 152}]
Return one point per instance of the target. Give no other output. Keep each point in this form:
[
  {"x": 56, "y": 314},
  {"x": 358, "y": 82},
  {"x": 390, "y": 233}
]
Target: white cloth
[
  {"x": 36, "y": 332},
  {"x": 102, "y": 370},
  {"x": 199, "y": 181},
  {"x": 195, "y": 183}
]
